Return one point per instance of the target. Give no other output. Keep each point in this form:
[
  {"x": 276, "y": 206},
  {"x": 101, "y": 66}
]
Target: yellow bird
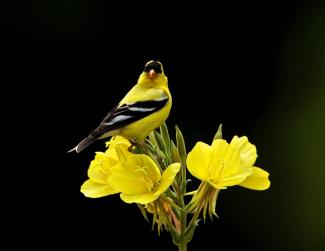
[{"x": 144, "y": 108}]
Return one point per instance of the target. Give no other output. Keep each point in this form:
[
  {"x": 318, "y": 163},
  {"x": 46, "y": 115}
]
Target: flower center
[
  {"x": 216, "y": 169},
  {"x": 145, "y": 179}
]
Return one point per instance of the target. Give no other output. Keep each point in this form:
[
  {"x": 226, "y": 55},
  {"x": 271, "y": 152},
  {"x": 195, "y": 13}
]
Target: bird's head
[{"x": 153, "y": 69}]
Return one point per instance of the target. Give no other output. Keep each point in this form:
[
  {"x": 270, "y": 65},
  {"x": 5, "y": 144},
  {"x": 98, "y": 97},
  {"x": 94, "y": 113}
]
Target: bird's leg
[
  {"x": 130, "y": 148},
  {"x": 136, "y": 147}
]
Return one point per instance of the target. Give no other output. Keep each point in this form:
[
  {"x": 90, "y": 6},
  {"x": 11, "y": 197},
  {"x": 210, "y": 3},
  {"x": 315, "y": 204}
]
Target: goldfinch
[{"x": 144, "y": 108}]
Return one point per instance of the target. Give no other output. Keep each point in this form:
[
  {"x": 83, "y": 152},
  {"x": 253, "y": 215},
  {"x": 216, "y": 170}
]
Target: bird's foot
[
  {"x": 136, "y": 147},
  {"x": 131, "y": 147}
]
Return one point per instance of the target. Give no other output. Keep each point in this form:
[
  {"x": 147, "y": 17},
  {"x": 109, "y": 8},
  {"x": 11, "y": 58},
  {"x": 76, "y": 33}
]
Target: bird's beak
[{"x": 152, "y": 74}]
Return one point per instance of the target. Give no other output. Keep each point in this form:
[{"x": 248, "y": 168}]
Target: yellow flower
[
  {"x": 138, "y": 177},
  {"x": 222, "y": 165},
  {"x": 100, "y": 169}
]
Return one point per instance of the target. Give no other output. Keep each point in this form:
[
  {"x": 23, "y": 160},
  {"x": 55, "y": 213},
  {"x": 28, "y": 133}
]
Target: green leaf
[
  {"x": 182, "y": 152},
  {"x": 175, "y": 236},
  {"x": 161, "y": 158},
  {"x": 154, "y": 220},
  {"x": 191, "y": 193},
  {"x": 175, "y": 153},
  {"x": 212, "y": 204},
  {"x": 143, "y": 211},
  {"x": 159, "y": 225},
  {"x": 177, "y": 208},
  {"x": 204, "y": 211},
  {"x": 148, "y": 145},
  {"x": 160, "y": 142},
  {"x": 152, "y": 138},
  {"x": 165, "y": 136},
  {"x": 190, "y": 231},
  {"x": 219, "y": 133},
  {"x": 180, "y": 145},
  {"x": 172, "y": 194},
  {"x": 164, "y": 133}
]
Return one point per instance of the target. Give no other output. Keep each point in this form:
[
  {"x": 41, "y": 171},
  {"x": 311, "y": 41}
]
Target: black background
[{"x": 256, "y": 67}]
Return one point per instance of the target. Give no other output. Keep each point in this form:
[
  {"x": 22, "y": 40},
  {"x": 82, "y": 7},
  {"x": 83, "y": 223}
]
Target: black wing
[
  {"x": 121, "y": 116},
  {"x": 128, "y": 113}
]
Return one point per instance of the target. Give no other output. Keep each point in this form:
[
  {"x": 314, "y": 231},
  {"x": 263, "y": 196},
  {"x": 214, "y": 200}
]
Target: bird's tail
[{"x": 83, "y": 144}]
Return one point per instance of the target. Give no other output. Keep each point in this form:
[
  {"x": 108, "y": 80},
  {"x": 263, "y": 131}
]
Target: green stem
[
  {"x": 183, "y": 214},
  {"x": 172, "y": 194},
  {"x": 182, "y": 246}
]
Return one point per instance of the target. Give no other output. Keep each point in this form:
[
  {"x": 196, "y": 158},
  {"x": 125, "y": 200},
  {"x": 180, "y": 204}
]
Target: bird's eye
[{"x": 153, "y": 65}]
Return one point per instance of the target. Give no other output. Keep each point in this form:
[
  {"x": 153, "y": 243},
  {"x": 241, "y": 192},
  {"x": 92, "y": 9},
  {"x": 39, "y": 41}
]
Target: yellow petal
[
  {"x": 258, "y": 180},
  {"x": 147, "y": 165},
  {"x": 139, "y": 198},
  {"x": 117, "y": 140},
  {"x": 121, "y": 152},
  {"x": 198, "y": 160},
  {"x": 92, "y": 189},
  {"x": 235, "y": 178},
  {"x": 168, "y": 177},
  {"x": 232, "y": 180},
  {"x": 246, "y": 150},
  {"x": 99, "y": 168},
  {"x": 216, "y": 185},
  {"x": 126, "y": 179},
  {"x": 152, "y": 169},
  {"x": 121, "y": 140},
  {"x": 225, "y": 160},
  {"x": 118, "y": 148}
]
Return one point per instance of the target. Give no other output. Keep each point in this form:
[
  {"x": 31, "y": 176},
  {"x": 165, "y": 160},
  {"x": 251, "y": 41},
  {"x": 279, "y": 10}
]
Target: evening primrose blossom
[
  {"x": 100, "y": 169},
  {"x": 222, "y": 165},
  {"x": 138, "y": 177}
]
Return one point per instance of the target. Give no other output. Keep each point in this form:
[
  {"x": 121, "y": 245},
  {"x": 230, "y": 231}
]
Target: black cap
[{"x": 153, "y": 65}]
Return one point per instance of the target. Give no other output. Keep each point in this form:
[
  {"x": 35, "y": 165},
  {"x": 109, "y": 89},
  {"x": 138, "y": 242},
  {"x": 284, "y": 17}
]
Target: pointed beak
[{"x": 152, "y": 74}]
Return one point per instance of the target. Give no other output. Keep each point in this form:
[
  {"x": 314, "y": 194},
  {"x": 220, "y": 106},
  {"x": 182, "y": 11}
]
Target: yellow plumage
[
  {"x": 145, "y": 107},
  {"x": 143, "y": 91}
]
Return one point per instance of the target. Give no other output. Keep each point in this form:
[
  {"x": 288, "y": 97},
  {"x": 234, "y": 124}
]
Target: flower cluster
[
  {"x": 135, "y": 176},
  {"x": 153, "y": 175}
]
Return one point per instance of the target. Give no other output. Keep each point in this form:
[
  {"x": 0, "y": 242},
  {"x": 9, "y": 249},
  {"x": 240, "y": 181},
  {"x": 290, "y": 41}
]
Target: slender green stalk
[
  {"x": 182, "y": 246},
  {"x": 183, "y": 213},
  {"x": 182, "y": 189},
  {"x": 183, "y": 218}
]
